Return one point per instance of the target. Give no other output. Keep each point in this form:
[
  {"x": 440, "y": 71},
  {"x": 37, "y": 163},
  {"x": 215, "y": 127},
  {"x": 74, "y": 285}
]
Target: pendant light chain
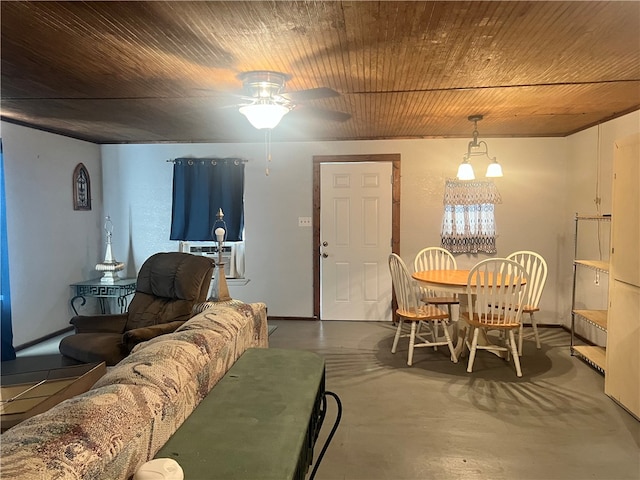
[{"x": 267, "y": 146}]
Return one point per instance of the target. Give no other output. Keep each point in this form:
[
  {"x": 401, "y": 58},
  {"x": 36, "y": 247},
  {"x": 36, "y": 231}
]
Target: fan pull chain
[{"x": 267, "y": 144}]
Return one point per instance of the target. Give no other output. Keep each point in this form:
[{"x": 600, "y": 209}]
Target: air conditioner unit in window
[{"x": 232, "y": 255}]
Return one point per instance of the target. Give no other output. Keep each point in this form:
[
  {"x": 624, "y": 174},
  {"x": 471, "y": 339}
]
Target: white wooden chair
[
  {"x": 496, "y": 290},
  {"x": 536, "y": 267},
  {"x": 436, "y": 258},
  {"x": 412, "y": 311}
]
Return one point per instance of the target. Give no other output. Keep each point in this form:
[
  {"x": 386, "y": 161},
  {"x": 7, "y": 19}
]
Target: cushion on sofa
[
  {"x": 230, "y": 319},
  {"x": 130, "y": 413},
  {"x": 189, "y": 364},
  {"x": 102, "y": 430}
]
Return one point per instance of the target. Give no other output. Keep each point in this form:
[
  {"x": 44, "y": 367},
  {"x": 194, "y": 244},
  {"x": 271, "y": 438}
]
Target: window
[
  {"x": 468, "y": 223},
  {"x": 202, "y": 186}
]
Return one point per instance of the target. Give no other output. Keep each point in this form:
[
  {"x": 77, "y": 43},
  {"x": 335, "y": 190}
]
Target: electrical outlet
[{"x": 304, "y": 221}]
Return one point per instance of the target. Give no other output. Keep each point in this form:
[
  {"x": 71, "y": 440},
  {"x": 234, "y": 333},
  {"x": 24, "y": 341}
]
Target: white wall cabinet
[{"x": 622, "y": 381}]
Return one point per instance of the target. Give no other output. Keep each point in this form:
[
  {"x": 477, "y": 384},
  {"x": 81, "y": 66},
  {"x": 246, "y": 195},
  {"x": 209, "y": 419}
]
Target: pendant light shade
[
  {"x": 477, "y": 149},
  {"x": 494, "y": 170},
  {"x": 465, "y": 171},
  {"x": 264, "y": 115}
]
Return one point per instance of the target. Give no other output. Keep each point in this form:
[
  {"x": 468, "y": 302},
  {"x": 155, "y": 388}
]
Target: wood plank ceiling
[{"x": 129, "y": 72}]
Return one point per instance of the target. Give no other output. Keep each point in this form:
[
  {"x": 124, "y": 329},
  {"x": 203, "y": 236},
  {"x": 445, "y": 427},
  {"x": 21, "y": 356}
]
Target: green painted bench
[{"x": 260, "y": 421}]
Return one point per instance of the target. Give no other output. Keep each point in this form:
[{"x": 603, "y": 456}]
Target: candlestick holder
[{"x": 219, "y": 289}]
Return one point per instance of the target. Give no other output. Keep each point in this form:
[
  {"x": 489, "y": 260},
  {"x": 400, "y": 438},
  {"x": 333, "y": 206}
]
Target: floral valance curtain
[
  {"x": 201, "y": 186},
  {"x": 468, "y": 223}
]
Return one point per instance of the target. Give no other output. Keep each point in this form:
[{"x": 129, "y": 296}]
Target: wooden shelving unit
[
  {"x": 594, "y": 355},
  {"x": 594, "y": 317}
]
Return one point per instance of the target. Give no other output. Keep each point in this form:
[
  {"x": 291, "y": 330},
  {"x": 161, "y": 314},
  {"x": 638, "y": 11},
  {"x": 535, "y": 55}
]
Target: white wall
[
  {"x": 546, "y": 182},
  {"x": 50, "y": 244},
  {"x": 533, "y": 216}
]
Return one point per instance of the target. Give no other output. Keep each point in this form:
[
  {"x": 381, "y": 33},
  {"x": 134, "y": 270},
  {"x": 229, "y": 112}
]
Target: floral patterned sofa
[{"x": 130, "y": 413}]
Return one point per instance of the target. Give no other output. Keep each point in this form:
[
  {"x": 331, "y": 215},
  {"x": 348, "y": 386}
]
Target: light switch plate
[{"x": 304, "y": 221}]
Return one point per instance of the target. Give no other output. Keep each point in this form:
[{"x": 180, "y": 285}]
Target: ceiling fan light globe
[
  {"x": 494, "y": 170},
  {"x": 264, "y": 115},
  {"x": 465, "y": 172}
]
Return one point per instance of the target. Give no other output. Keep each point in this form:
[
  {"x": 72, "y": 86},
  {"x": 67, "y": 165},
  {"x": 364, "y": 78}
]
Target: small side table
[{"x": 120, "y": 289}]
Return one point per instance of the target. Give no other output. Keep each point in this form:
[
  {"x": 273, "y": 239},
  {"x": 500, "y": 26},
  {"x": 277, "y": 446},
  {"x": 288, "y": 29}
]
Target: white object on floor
[{"x": 159, "y": 469}]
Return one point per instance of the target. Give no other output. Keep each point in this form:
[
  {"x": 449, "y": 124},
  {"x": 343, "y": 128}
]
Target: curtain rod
[{"x": 192, "y": 160}]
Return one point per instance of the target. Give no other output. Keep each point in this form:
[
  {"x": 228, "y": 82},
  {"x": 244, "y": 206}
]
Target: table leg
[
  {"x": 485, "y": 341},
  {"x": 460, "y": 327},
  {"x": 122, "y": 303},
  {"x": 84, "y": 300}
]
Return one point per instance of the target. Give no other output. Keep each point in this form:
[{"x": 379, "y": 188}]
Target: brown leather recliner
[{"x": 167, "y": 288}]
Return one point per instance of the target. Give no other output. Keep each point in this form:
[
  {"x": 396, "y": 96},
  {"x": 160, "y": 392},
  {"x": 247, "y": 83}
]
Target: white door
[{"x": 355, "y": 234}]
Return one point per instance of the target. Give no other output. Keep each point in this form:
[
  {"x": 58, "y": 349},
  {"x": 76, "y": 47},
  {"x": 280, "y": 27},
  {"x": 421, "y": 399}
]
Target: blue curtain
[
  {"x": 6, "y": 333},
  {"x": 200, "y": 188}
]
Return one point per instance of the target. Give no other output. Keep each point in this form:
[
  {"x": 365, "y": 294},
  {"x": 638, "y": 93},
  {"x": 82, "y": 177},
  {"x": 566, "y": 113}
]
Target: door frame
[{"x": 394, "y": 158}]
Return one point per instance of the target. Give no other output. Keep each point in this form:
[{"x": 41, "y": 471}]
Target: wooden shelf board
[
  {"x": 596, "y": 317},
  {"x": 593, "y": 217},
  {"x": 595, "y": 264},
  {"x": 594, "y": 355}
]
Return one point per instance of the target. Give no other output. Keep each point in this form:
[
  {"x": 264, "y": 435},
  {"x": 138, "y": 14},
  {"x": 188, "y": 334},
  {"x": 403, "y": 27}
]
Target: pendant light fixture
[
  {"x": 477, "y": 149},
  {"x": 265, "y": 114},
  {"x": 267, "y": 105}
]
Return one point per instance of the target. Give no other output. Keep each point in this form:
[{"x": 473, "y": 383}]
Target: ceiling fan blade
[
  {"x": 227, "y": 101},
  {"x": 323, "y": 114},
  {"x": 310, "y": 94},
  {"x": 212, "y": 93}
]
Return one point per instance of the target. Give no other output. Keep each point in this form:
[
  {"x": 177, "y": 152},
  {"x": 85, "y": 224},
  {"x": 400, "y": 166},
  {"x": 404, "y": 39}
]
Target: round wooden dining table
[
  {"x": 452, "y": 281},
  {"x": 444, "y": 280}
]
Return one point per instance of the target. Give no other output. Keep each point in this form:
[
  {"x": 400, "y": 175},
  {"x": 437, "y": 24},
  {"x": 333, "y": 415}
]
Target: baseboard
[
  {"x": 291, "y": 318},
  {"x": 586, "y": 341},
  {"x": 313, "y": 319},
  {"x": 42, "y": 339}
]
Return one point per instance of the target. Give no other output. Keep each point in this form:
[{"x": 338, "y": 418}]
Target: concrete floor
[{"x": 434, "y": 420}]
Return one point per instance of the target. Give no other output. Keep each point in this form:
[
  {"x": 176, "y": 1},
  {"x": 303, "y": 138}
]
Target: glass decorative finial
[{"x": 110, "y": 267}]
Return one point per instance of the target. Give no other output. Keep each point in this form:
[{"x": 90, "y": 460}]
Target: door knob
[
  {"x": 324, "y": 244},
  {"x": 325, "y": 255}
]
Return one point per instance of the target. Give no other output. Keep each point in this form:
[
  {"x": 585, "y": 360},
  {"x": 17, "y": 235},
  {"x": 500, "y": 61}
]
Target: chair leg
[
  {"x": 514, "y": 352},
  {"x": 520, "y": 335},
  {"x": 397, "y": 337},
  {"x": 426, "y": 325},
  {"x": 535, "y": 330},
  {"x": 534, "y": 326},
  {"x": 412, "y": 342},
  {"x": 474, "y": 347},
  {"x": 454, "y": 357}
]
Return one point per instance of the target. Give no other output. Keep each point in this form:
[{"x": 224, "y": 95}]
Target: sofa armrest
[
  {"x": 113, "y": 323},
  {"x": 138, "y": 335}
]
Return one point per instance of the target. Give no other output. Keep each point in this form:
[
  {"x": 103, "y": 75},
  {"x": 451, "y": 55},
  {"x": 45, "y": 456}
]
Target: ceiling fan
[{"x": 265, "y": 102}]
